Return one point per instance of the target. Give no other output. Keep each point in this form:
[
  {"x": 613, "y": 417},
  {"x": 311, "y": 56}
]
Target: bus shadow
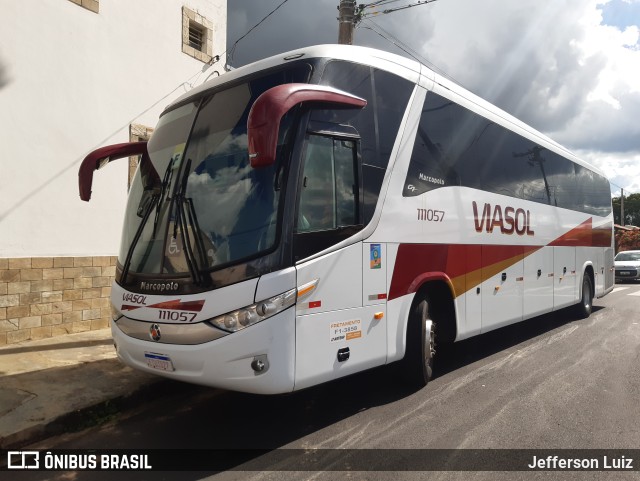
[
  {"x": 194, "y": 417},
  {"x": 454, "y": 356},
  {"x": 274, "y": 421}
]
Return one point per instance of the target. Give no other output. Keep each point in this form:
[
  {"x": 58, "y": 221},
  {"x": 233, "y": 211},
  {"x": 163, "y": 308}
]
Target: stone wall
[
  {"x": 43, "y": 297},
  {"x": 93, "y": 5}
]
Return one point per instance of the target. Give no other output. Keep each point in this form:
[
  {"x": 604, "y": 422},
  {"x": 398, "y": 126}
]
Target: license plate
[
  {"x": 158, "y": 361},
  {"x": 624, "y": 273}
]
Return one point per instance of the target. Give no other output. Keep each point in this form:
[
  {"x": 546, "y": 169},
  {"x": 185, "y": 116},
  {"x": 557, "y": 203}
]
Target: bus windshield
[{"x": 211, "y": 208}]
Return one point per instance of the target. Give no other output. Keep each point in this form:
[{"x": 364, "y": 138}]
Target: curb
[{"x": 93, "y": 415}]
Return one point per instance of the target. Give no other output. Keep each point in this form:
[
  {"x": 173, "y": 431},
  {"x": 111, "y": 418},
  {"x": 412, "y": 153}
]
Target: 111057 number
[
  {"x": 177, "y": 316},
  {"x": 431, "y": 215}
]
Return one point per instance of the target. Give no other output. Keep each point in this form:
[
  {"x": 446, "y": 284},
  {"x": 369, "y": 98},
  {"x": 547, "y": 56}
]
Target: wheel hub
[{"x": 430, "y": 339}]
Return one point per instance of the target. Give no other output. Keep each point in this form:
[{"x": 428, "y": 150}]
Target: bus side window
[
  {"x": 444, "y": 132},
  {"x": 329, "y": 202},
  {"x": 316, "y": 210},
  {"x": 329, "y": 193}
]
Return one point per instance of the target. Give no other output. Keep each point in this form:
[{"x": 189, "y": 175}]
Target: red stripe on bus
[
  {"x": 464, "y": 266},
  {"x": 178, "y": 305},
  {"x": 127, "y": 307},
  {"x": 584, "y": 235}
]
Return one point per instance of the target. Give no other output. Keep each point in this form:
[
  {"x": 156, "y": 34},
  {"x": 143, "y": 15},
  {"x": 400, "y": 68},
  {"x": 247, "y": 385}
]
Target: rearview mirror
[
  {"x": 263, "y": 123},
  {"x": 101, "y": 157}
]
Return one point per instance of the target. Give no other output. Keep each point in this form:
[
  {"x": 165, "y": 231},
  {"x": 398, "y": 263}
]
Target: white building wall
[{"x": 75, "y": 80}]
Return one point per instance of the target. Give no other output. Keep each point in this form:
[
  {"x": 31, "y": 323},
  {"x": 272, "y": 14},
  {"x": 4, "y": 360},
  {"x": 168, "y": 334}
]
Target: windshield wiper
[
  {"x": 168, "y": 174},
  {"x": 193, "y": 221},
  {"x": 156, "y": 201},
  {"x": 186, "y": 221}
]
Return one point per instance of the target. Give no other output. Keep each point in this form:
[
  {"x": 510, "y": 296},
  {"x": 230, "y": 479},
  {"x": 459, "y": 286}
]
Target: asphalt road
[{"x": 549, "y": 383}]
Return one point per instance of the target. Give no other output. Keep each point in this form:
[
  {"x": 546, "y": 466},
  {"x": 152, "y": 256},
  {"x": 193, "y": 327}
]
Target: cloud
[
  {"x": 622, "y": 171},
  {"x": 296, "y": 24}
]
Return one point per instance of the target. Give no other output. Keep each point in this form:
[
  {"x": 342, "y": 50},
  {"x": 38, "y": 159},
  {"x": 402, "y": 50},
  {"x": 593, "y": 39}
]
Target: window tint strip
[{"x": 457, "y": 147}]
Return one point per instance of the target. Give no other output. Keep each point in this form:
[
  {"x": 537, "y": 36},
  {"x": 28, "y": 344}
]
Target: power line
[
  {"x": 352, "y": 14},
  {"x": 406, "y": 49},
  {"x": 362, "y": 15},
  {"x": 389, "y": 37},
  {"x": 627, "y": 191},
  {"x": 377, "y": 4},
  {"x": 233, "y": 47}
]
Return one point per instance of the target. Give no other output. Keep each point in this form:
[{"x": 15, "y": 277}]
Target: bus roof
[
  {"x": 394, "y": 63},
  {"x": 402, "y": 66}
]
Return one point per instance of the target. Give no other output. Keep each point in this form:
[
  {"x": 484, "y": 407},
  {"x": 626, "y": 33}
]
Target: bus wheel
[
  {"x": 421, "y": 343},
  {"x": 585, "y": 306}
]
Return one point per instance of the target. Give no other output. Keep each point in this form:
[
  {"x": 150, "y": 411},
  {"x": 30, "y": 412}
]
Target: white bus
[{"x": 338, "y": 208}]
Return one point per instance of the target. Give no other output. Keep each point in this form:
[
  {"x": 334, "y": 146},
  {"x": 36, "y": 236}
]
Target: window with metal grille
[{"x": 196, "y": 36}]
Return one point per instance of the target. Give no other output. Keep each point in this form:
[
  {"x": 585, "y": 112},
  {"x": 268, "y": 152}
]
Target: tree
[
  {"x": 627, "y": 240},
  {"x": 631, "y": 210}
]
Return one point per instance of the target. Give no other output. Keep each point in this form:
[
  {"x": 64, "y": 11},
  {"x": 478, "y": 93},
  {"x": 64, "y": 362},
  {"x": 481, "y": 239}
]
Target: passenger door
[{"x": 336, "y": 334}]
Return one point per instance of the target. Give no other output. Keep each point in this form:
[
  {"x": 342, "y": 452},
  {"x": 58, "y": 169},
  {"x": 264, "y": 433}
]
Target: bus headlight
[{"x": 247, "y": 316}]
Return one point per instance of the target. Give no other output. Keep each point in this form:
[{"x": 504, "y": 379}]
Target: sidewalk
[{"x": 53, "y": 385}]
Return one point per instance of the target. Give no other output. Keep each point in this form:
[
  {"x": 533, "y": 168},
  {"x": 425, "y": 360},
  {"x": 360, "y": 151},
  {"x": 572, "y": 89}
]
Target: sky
[{"x": 569, "y": 68}]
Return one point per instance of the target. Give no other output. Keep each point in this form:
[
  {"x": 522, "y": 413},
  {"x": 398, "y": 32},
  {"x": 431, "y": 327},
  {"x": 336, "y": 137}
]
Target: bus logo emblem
[{"x": 154, "y": 332}]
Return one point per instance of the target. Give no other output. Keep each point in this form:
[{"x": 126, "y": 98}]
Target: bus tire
[
  {"x": 417, "y": 365},
  {"x": 585, "y": 306}
]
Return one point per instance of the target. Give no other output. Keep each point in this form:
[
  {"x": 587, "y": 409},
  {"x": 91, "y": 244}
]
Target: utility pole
[
  {"x": 347, "y": 21},
  {"x": 621, "y": 206},
  {"x": 352, "y": 14}
]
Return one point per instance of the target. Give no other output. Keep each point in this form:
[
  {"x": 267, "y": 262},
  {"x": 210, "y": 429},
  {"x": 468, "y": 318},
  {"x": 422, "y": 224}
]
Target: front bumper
[
  {"x": 225, "y": 362},
  {"x": 624, "y": 273}
]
